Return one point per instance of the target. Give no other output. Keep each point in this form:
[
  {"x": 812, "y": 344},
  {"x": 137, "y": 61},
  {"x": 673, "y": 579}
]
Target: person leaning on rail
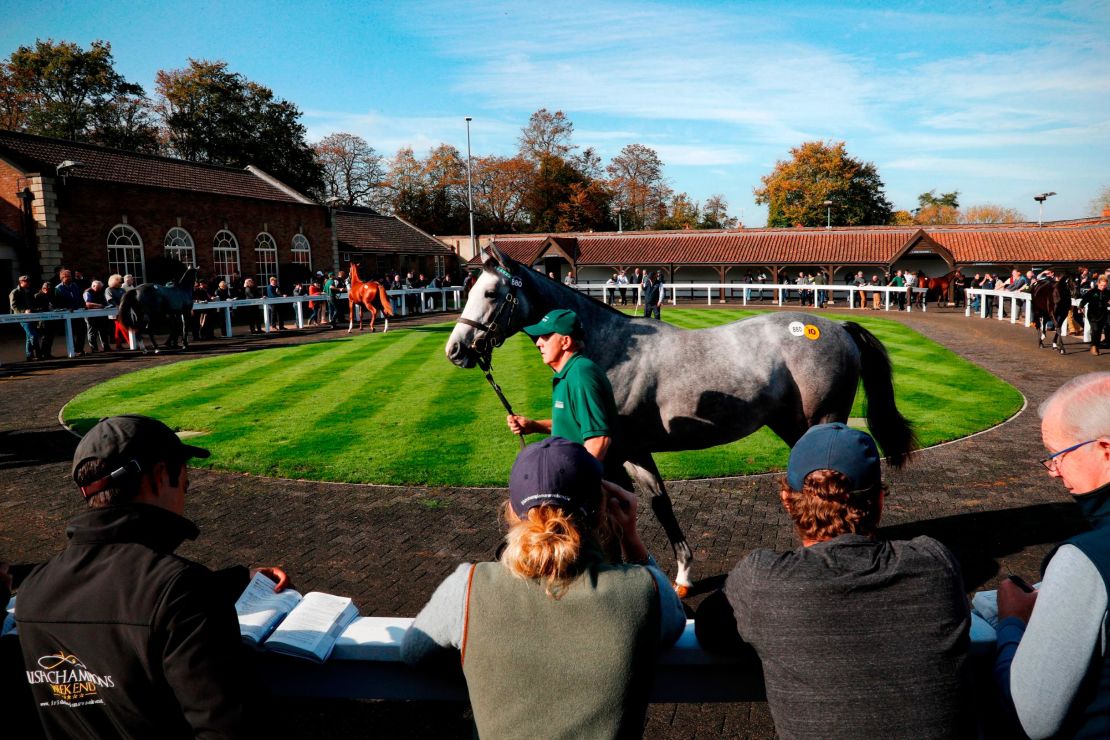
[
  {"x": 1052, "y": 667},
  {"x": 553, "y": 607},
  {"x": 1096, "y": 307},
  {"x": 859, "y": 637},
  {"x": 121, "y": 637}
]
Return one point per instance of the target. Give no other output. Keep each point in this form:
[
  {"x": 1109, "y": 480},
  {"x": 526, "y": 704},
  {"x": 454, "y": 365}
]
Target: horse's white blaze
[{"x": 478, "y": 308}]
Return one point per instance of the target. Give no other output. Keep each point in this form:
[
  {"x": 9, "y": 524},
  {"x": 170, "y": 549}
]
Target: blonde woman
[{"x": 554, "y": 606}]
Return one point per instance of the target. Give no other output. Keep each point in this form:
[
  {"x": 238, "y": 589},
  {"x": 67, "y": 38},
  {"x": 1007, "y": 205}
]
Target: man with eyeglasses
[{"x": 1052, "y": 662}]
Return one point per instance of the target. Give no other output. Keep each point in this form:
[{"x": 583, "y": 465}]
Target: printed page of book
[
  {"x": 260, "y": 609},
  {"x": 312, "y": 627}
]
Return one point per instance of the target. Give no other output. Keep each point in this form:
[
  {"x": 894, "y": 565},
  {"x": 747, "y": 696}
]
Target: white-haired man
[{"x": 1052, "y": 661}]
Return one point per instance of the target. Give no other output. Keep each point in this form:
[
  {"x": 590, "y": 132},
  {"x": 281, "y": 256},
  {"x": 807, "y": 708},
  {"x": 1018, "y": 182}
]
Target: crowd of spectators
[{"x": 72, "y": 291}]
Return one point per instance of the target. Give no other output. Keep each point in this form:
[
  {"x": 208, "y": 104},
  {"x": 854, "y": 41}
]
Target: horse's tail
[
  {"x": 130, "y": 311},
  {"x": 892, "y": 431},
  {"x": 381, "y": 298}
]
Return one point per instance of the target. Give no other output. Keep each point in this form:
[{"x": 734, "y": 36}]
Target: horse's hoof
[{"x": 681, "y": 590}]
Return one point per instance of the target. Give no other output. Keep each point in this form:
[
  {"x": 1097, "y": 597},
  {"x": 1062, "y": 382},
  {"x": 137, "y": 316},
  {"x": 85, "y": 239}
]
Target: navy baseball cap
[
  {"x": 836, "y": 447},
  {"x": 561, "y": 321},
  {"x": 555, "y": 472},
  {"x": 130, "y": 444}
]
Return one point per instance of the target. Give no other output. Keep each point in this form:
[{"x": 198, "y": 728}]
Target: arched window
[
  {"x": 265, "y": 255},
  {"x": 302, "y": 254},
  {"x": 225, "y": 254},
  {"x": 125, "y": 252},
  {"x": 179, "y": 246}
]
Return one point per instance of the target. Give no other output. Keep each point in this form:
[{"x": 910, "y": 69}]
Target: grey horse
[{"x": 680, "y": 389}]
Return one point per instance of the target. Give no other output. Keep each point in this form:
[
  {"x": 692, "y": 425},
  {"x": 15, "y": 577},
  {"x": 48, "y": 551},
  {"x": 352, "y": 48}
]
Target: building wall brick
[{"x": 91, "y": 209}]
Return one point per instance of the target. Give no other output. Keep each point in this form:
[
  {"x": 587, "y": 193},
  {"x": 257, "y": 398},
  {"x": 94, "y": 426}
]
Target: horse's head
[{"x": 497, "y": 307}]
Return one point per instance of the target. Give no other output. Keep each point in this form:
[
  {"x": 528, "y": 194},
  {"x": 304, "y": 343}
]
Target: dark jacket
[
  {"x": 122, "y": 638},
  {"x": 1095, "y": 303},
  {"x": 21, "y": 300}
]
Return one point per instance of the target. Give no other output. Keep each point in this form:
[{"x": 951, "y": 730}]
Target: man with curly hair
[{"x": 858, "y": 636}]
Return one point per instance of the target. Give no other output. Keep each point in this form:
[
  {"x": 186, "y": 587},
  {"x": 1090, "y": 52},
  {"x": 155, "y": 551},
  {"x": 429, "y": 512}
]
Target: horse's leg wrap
[{"x": 664, "y": 512}]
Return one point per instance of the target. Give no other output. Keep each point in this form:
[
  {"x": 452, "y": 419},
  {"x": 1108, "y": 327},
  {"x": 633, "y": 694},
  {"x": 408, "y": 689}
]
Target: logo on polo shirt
[
  {"x": 559, "y": 404},
  {"x": 71, "y": 682}
]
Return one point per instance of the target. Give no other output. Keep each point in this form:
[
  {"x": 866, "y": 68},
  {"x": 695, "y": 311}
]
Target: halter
[{"x": 496, "y": 331}]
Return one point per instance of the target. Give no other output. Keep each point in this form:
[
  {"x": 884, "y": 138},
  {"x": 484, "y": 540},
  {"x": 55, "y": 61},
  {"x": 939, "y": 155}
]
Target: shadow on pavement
[{"x": 19, "y": 449}]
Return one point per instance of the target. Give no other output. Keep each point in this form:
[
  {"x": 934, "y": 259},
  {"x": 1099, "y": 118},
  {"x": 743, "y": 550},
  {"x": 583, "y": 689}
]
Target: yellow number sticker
[{"x": 812, "y": 332}]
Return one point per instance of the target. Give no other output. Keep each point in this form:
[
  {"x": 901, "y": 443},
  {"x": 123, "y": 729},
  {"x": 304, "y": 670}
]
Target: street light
[
  {"x": 469, "y": 189},
  {"x": 1040, "y": 200},
  {"x": 828, "y": 214}
]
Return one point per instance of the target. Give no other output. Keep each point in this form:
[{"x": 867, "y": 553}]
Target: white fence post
[
  {"x": 227, "y": 322},
  {"x": 266, "y": 316},
  {"x": 299, "y": 308},
  {"x": 69, "y": 339}
]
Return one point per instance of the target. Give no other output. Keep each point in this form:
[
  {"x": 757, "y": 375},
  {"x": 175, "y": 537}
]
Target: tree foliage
[
  {"x": 1101, "y": 202},
  {"x": 796, "y": 189},
  {"x": 499, "y": 187},
  {"x": 641, "y": 193},
  {"x": 934, "y": 215},
  {"x": 990, "y": 213},
  {"x": 353, "y": 173},
  {"x": 547, "y": 135},
  {"x": 59, "y": 89},
  {"x": 214, "y": 115},
  {"x": 715, "y": 214},
  {"x": 946, "y": 200},
  {"x": 430, "y": 192}
]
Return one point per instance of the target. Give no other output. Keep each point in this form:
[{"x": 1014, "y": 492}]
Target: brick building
[
  {"x": 104, "y": 211},
  {"x": 780, "y": 254}
]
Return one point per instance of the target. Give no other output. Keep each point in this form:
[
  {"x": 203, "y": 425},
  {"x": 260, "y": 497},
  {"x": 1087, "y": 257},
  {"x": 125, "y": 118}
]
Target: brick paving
[{"x": 388, "y": 547}]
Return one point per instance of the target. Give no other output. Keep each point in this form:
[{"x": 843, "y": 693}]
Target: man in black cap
[
  {"x": 120, "y": 637},
  {"x": 859, "y": 636}
]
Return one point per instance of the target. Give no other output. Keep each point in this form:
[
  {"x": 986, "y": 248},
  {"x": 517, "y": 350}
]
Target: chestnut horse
[
  {"x": 939, "y": 287},
  {"x": 370, "y": 295}
]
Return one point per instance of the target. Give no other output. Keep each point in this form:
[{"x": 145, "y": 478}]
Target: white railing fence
[
  {"x": 778, "y": 292},
  {"x": 980, "y": 297},
  {"x": 405, "y": 302}
]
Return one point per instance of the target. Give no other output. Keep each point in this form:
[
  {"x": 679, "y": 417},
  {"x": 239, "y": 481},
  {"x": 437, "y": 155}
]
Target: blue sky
[{"x": 1000, "y": 101}]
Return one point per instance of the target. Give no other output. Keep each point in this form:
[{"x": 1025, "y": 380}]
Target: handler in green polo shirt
[{"x": 582, "y": 405}]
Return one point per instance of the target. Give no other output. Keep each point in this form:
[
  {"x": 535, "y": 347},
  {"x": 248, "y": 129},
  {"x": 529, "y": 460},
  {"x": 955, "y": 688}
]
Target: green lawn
[{"x": 390, "y": 408}]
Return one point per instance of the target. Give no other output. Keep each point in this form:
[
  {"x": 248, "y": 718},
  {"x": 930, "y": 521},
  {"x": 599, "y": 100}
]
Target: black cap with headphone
[{"x": 130, "y": 445}]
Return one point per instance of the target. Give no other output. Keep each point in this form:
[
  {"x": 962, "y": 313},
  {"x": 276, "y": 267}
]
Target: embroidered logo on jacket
[{"x": 71, "y": 682}]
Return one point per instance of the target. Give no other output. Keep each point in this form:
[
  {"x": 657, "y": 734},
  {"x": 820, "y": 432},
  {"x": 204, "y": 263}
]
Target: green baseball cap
[{"x": 560, "y": 321}]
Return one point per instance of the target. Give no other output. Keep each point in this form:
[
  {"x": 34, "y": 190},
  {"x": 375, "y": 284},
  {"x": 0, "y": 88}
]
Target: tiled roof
[
  {"x": 363, "y": 230},
  {"x": 41, "y": 154},
  {"x": 1071, "y": 241}
]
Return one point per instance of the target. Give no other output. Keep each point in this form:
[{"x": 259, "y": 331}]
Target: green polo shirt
[{"x": 582, "y": 404}]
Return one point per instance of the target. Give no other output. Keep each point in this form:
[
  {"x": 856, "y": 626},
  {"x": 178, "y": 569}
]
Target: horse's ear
[{"x": 497, "y": 254}]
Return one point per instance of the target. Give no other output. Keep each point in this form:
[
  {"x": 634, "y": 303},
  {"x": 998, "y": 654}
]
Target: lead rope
[{"x": 485, "y": 361}]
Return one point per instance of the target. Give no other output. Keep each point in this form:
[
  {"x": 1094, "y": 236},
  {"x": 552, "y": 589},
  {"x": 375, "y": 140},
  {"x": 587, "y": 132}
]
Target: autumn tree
[
  {"x": 715, "y": 214},
  {"x": 640, "y": 192},
  {"x": 990, "y": 213},
  {"x": 902, "y": 218},
  {"x": 430, "y": 192},
  {"x": 796, "y": 189},
  {"x": 353, "y": 172},
  {"x": 59, "y": 89},
  {"x": 586, "y": 207},
  {"x": 936, "y": 209},
  {"x": 499, "y": 185},
  {"x": 214, "y": 115},
  {"x": 547, "y": 135},
  {"x": 1101, "y": 202},
  {"x": 682, "y": 213}
]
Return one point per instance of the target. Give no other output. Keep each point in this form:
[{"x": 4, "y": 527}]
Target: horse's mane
[{"x": 491, "y": 264}]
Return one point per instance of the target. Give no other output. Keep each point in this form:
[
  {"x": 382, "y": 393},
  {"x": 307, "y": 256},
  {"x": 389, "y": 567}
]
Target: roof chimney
[{"x": 1106, "y": 212}]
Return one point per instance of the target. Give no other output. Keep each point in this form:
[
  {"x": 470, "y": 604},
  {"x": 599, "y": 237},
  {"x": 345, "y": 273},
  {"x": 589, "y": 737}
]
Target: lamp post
[
  {"x": 828, "y": 214},
  {"x": 1040, "y": 201},
  {"x": 469, "y": 191}
]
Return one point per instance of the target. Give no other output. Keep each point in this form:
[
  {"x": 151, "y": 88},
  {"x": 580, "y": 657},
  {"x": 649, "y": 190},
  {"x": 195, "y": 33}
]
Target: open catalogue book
[{"x": 305, "y": 626}]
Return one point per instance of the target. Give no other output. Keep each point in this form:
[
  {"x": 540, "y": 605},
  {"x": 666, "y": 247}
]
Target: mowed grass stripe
[
  {"x": 391, "y": 408},
  {"x": 335, "y": 417},
  {"x": 281, "y": 379}
]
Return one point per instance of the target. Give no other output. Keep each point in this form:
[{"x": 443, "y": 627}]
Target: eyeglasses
[{"x": 1052, "y": 462}]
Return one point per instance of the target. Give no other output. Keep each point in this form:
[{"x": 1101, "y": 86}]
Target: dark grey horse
[
  {"x": 144, "y": 307},
  {"x": 679, "y": 389}
]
